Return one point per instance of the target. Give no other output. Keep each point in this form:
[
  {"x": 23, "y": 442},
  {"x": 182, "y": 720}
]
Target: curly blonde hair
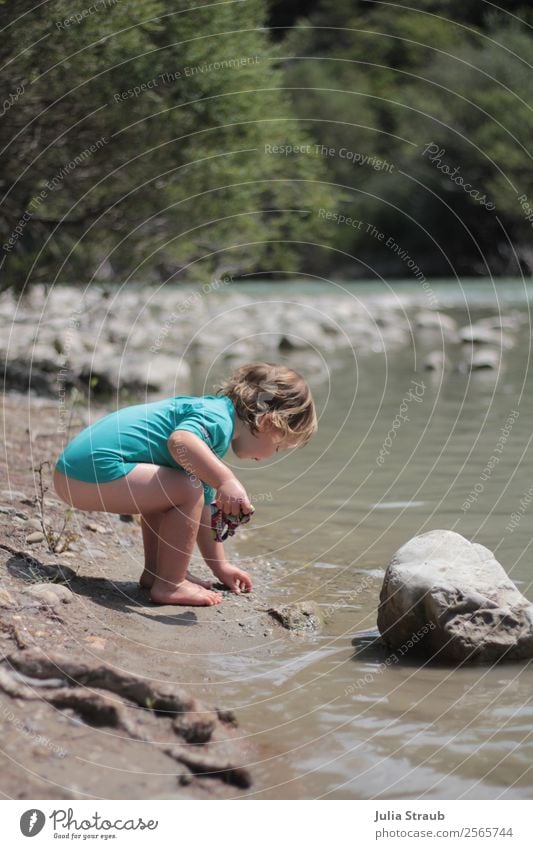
[{"x": 259, "y": 389}]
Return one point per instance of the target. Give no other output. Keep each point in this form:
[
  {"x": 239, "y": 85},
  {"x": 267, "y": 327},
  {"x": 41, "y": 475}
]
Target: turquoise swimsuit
[{"x": 116, "y": 443}]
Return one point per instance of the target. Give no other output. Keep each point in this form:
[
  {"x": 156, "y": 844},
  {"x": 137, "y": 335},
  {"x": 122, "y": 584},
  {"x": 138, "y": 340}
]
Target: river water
[{"x": 337, "y": 722}]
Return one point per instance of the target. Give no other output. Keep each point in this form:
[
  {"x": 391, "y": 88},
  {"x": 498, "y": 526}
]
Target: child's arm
[
  {"x": 215, "y": 557},
  {"x": 190, "y": 452}
]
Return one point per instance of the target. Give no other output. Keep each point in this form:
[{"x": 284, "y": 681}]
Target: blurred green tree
[
  {"x": 132, "y": 143},
  {"x": 376, "y": 83}
]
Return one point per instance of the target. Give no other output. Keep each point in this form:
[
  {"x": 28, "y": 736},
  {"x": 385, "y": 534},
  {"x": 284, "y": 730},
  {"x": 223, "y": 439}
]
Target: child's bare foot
[
  {"x": 185, "y": 592},
  {"x": 147, "y": 579}
]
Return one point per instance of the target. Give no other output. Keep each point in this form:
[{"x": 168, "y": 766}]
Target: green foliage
[
  {"x": 133, "y": 140},
  {"x": 136, "y": 144},
  {"x": 389, "y": 83}
]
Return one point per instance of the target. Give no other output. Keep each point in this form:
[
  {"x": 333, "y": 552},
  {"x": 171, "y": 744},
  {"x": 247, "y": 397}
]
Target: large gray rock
[{"x": 451, "y": 600}]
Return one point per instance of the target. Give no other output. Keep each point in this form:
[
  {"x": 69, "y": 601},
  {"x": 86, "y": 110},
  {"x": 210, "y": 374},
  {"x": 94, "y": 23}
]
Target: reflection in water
[{"x": 349, "y": 725}]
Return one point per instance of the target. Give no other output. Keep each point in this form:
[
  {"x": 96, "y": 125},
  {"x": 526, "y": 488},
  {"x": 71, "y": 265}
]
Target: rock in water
[
  {"x": 299, "y": 617},
  {"x": 435, "y": 361},
  {"x": 488, "y": 358},
  {"x": 478, "y": 334},
  {"x": 453, "y": 601},
  {"x": 433, "y": 320}
]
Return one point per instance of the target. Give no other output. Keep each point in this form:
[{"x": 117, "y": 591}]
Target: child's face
[{"x": 256, "y": 446}]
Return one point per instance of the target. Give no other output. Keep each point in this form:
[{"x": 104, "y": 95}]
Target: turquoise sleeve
[{"x": 198, "y": 428}]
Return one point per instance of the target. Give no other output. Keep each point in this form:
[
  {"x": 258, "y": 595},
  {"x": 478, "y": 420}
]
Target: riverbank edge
[{"x": 45, "y": 747}]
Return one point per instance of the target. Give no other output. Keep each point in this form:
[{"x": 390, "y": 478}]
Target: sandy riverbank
[{"x": 99, "y": 742}]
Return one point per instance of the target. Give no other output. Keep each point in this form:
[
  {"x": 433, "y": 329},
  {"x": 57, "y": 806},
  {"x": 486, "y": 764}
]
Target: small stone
[
  {"x": 476, "y": 334},
  {"x": 13, "y": 494},
  {"x": 94, "y": 553},
  {"x": 435, "y": 361},
  {"x": 302, "y": 616},
  {"x": 37, "y": 536},
  {"x": 488, "y": 358},
  {"x": 501, "y": 322},
  {"x": 433, "y": 320},
  {"x": 6, "y": 600},
  {"x": 227, "y": 715},
  {"x": 41, "y": 597},
  {"x": 63, "y": 593},
  {"x": 34, "y": 523},
  {"x": 41, "y": 752},
  {"x": 50, "y": 593},
  {"x": 96, "y": 643},
  {"x": 96, "y": 528}
]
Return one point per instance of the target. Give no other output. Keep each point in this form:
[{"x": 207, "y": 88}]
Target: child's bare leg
[
  {"x": 150, "y": 530},
  {"x": 178, "y": 530},
  {"x": 149, "y": 489}
]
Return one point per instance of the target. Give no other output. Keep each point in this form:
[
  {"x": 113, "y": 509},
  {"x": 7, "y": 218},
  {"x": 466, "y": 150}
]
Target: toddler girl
[{"x": 162, "y": 460}]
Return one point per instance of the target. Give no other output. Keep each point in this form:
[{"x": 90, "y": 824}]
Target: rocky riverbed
[{"x": 105, "y": 340}]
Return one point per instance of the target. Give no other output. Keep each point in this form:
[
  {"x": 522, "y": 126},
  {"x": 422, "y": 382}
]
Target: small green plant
[
  {"x": 57, "y": 541},
  {"x": 61, "y": 540}
]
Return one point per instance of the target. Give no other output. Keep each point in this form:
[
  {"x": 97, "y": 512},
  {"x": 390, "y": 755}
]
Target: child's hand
[
  {"x": 237, "y": 580},
  {"x": 232, "y": 497}
]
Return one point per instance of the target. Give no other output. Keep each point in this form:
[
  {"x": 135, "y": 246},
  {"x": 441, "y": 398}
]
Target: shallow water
[{"x": 340, "y": 724}]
